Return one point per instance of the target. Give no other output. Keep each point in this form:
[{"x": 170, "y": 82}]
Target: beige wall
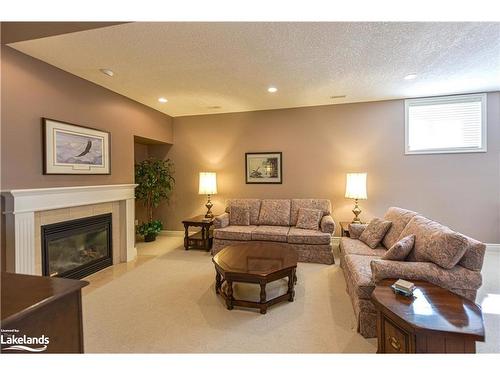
[
  {"x": 320, "y": 145},
  {"x": 32, "y": 89}
]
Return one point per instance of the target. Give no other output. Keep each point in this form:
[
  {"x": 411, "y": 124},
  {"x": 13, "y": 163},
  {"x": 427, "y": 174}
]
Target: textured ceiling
[{"x": 227, "y": 67}]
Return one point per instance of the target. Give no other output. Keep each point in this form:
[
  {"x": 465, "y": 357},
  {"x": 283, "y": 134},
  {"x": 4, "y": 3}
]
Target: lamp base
[
  {"x": 209, "y": 205},
  {"x": 356, "y": 211}
]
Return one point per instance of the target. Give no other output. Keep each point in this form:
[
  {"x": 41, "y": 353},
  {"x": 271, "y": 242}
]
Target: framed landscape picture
[
  {"x": 263, "y": 168},
  {"x": 74, "y": 149}
]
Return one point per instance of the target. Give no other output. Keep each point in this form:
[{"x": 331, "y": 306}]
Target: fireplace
[{"x": 77, "y": 248}]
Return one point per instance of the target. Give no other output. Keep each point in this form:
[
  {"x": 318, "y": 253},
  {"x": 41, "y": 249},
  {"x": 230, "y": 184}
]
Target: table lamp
[
  {"x": 355, "y": 188},
  {"x": 208, "y": 186}
]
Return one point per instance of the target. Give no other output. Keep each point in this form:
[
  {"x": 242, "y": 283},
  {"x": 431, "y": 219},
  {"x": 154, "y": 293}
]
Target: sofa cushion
[
  {"x": 401, "y": 249},
  {"x": 239, "y": 215},
  {"x": 351, "y": 246},
  {"x": 474, "y": 256},
  {"x": 270, "y": 233},
  {"x": 235, "y": 232},
  {"x": 435, "y": 242},
  {"x": 317, "y": 204},
  {"x": 375, "y": 232},
  {"x": 307, "y": 236},
  {"x": 355, "y": 230},
  {"x": 399, "y": 217},
  {"x": 275, "y": 212},
  {"x": 360, "y": 274},
  {"x": 253, "y": 205},
  {"x": 309, "y": 218}
]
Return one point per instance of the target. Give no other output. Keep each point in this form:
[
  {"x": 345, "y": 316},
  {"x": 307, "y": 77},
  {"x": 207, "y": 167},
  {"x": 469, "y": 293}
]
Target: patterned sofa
[
  {"x": 363, "y": 266},
  {"x": 274, "y": 220}
]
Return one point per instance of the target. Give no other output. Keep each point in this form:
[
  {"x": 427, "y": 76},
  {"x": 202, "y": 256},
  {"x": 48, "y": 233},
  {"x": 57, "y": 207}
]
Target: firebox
[{"x": 77, "y": 248}]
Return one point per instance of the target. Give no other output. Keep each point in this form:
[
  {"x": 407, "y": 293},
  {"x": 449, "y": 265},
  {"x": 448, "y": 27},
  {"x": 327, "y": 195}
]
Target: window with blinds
[{"x": 447, "y": 124}]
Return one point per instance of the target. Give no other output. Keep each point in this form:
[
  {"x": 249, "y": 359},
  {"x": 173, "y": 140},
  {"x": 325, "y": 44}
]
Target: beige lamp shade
[
  {"x": 208, "y": 183},
  {"x": 355, "y": 187}
]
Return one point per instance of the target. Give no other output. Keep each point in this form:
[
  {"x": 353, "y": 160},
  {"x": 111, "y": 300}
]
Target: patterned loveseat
[
  {"x": 274, "y": 220},
  {"x": 363, "y": 266}
]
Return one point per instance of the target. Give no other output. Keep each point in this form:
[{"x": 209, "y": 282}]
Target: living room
[{"x": 251, "y": 187}]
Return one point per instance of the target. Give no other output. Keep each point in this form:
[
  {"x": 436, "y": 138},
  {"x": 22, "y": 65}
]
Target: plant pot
[{"x": 150, "y": 237}]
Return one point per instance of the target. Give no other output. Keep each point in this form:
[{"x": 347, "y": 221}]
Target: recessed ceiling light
[
  {"x": 162, "y": 100},
  {"x": 272, "y": 89},
  {"x": 337, "y": 97},
  {"x": 108, "y": 72},
  {"x": 410, "y": 76}
]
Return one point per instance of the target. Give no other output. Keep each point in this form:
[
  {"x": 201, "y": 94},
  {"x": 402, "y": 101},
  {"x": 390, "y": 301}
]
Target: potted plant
[
  {"x": 150, "y": 230},
  {"x": 155, "y": 184}
]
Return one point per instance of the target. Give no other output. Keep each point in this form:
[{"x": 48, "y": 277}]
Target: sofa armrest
[
  {"x": 456, "y": 278},
  {"x": 221, "y": 221},
  {"x": 355, "y": 230},
  {"x": 327, "y": 224}
]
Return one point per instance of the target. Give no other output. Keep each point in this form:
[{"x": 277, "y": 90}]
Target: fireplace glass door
[{"x": 77, "y": 248}]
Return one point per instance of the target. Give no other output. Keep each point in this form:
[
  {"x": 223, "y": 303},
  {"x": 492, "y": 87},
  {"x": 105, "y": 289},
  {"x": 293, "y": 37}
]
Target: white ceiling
[{"x": 201, "y": 66}]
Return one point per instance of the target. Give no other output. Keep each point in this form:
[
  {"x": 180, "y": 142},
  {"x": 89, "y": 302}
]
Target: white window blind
[{"x": 446, "y": 124}]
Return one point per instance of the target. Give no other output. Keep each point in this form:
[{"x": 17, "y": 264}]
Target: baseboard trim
[
  {"x": 180, "y": 233},
  {"x": 174, "y": 233},
  {"x": 490, "y": 247},
  {"x": 493, "y": 247}
]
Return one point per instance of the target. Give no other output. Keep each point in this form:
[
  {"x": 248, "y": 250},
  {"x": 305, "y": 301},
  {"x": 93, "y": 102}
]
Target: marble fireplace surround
[{"x": 26, "y": 210}]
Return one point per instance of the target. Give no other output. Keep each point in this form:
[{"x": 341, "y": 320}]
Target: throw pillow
[
  {"x": 435, "y": 242},
  {"x": 401, "y": 249},
  {"x": 275, "y": 212},
  {"x": 309, "y": 218},
  {"x": 239, "y": 215},
  {"x": 375, "y": 232},
  {"x": 399, "y": 217},
  {"x": 355, "y": 230}
]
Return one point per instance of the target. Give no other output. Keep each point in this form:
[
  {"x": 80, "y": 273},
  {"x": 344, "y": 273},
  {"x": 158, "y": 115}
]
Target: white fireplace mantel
[{"x": 21, "y": 205}]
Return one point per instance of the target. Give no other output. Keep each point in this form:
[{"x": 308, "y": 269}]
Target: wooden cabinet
[
  {"x": 37, "y": 306},
  {"x": 393, "y": 339},
  {"x": 433, "y": 320}
]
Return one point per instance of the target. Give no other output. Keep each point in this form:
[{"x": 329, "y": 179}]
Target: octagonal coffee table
[{"x": 255, "y": 263}]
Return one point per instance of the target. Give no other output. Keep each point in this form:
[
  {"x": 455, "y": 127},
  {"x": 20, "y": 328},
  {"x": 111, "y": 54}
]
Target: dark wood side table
[
  {"x": 202, "y": 239},
  {"x": 39, "y": 305},
  {"x": 255, "y": 263},
  {"x": 344, "y": 228},
  {"x": 434, "y": 320}
]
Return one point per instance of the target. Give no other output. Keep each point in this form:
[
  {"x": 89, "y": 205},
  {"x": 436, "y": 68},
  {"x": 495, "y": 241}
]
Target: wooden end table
[
  {"x": 434, "y": 320},
  {"x": 255, "y": 263},
  {"x": 344, "y": 228},
  {"x": 202, "y": 239}
]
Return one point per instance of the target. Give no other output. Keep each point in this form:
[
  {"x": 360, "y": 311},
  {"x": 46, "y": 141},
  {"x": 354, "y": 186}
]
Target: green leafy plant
[
  {"x": 153, "y": 227},
  {"x": 155, "y": 184}
]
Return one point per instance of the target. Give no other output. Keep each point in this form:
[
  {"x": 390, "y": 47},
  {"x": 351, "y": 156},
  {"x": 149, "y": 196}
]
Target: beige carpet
[
  {"x": 167, "y": 304},
  {"x": 164, "y": 302}
]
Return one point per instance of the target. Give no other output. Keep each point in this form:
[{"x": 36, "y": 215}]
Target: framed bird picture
[{"x": 74, "y": 149}]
